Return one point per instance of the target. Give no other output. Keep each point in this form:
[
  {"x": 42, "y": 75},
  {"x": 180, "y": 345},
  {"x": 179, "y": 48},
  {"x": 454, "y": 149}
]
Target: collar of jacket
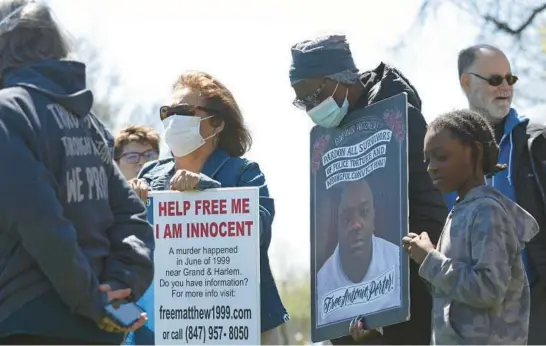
[
  {"x": 383, "y": 82},
  {"x": 213, "y": 164}
]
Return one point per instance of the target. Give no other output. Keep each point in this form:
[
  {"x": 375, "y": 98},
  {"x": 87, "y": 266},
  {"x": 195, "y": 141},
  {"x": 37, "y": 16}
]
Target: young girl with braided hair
[{"x": 476, "y": 274}]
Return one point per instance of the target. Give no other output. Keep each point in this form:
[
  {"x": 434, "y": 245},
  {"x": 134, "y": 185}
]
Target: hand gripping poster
[{"x": 359, "y": 214}]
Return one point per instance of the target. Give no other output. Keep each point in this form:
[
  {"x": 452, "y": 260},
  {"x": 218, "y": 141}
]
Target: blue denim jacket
[{"x": 222, "y": 170}]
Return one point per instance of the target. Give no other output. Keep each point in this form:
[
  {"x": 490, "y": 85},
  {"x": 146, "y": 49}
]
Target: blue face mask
[{"x": 328, "y": 114}]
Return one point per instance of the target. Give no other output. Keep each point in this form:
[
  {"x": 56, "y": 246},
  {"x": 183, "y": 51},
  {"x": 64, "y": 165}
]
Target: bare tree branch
[
  {"x": 470, "y": 7},
  {"x": 518, "y": 27},
  {"x": 505, "y": 27}
]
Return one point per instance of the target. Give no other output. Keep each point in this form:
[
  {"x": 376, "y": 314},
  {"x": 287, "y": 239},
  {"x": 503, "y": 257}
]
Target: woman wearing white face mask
[{"x": 206, "y": 134}]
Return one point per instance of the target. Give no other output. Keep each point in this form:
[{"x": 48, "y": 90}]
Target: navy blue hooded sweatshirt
[{"x": 68, "y": 219}]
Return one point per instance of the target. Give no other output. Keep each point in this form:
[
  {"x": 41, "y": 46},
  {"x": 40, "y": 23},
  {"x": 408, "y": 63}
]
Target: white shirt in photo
[{"x": 338, "y": 298}]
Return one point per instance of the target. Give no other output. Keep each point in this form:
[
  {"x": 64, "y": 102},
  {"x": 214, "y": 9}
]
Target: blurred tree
[
  {"x": 106, "y": 83},
  {"x": 516, "y": 26},
  {"x": 101, "y": 81},
  {"x": 543, "y": 38},
  {"x": 296, "y": 296}
]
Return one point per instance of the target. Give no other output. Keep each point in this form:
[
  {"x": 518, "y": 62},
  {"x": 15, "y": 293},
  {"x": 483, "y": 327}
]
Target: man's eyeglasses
[
  {"x": 310, "y": 101},
  {"x": 133, "y": 157},
  {"x": 182, "y": 109},
  {"x": 496, "y": 79}
]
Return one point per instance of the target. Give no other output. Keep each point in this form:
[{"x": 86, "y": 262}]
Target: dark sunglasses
[
  {"x": 133, "y": 157},
  {"x": 182, "y": 109},
  {"x": 496, "y": 79},
  {"x": 310, "y": 101}
]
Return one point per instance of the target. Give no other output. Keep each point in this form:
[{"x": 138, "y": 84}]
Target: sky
[{"x": 246, "y": 45}]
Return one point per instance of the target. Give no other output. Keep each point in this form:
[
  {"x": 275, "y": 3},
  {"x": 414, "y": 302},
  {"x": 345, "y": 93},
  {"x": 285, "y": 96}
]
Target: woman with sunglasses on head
[{"x": 206, "y": 134}]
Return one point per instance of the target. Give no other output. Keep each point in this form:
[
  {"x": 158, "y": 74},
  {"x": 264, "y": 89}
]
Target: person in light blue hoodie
[
  {"x": 73, "y": 234},
  {"x": 488, "y": 82}
]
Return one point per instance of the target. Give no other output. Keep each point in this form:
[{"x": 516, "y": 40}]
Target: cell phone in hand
[{"x": 123, "y": 313}]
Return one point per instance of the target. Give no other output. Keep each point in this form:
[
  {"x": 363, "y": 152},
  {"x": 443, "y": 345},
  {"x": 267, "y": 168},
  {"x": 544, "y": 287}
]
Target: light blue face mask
[{"x": 328, "y": 114}]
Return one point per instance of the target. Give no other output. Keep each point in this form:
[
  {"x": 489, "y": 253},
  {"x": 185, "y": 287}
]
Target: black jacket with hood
[
  {"x": 427, "y": 210},
  {"x": 529, "y": 140},
  {"x": 68, "y": 219}
]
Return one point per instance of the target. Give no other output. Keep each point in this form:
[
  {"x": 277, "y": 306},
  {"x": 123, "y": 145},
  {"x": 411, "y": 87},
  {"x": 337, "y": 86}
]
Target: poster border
[{"x": 384, "y": 317}]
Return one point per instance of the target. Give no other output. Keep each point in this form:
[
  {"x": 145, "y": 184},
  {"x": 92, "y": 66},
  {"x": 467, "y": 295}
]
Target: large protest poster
[
  {"x": 359, "y": 214},
  {"x": 207, "y": 266}
]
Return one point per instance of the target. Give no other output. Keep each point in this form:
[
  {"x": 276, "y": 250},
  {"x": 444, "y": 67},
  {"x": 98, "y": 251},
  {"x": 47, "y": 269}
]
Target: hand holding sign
[
  {"x": 418, "y": 246},
  {"x": 141, "y": 188},
  {"x": 184, "y": 180},
  {"x": 406, "y": 240},
  {"x": 359, "y": 332}
]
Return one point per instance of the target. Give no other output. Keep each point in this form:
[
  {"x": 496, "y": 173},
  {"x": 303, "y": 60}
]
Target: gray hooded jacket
[{"x": 478, "y": 283}]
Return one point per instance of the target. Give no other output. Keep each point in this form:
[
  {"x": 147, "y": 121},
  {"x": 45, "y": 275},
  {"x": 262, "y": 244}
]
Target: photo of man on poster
[{"x": 362, "y": 276}]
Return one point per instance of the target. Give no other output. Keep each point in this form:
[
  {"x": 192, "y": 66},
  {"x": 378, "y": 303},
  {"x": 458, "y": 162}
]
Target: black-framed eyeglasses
[
  {"x": 133, "y": 157},
  {"x": 182, "y": 109},
  {"x": 310, "y": 101},
  {"x": 496, "y": 79}
]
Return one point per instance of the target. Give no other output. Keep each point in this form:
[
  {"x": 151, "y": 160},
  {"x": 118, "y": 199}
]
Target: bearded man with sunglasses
[
  {"x": 488, "y": 83},
  {"x": 329, "y": 87}
]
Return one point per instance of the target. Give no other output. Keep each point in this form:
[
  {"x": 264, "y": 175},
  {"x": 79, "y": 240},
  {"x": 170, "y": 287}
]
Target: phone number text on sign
[
  {"x": 206, "y": 285},
  {"x": 205, "y": 334}
]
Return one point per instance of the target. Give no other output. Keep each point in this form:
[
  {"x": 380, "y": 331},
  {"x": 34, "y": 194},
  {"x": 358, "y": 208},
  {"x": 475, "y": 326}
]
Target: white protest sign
[{"x": 207, "y": 266}]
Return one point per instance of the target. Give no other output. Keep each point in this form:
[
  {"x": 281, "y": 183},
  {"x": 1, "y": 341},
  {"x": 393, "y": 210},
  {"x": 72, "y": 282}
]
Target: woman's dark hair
[
  {"x": 29, "y": 33},
  {"x": 234, "y": 138},
  {"x": 470, "y": 127}
]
